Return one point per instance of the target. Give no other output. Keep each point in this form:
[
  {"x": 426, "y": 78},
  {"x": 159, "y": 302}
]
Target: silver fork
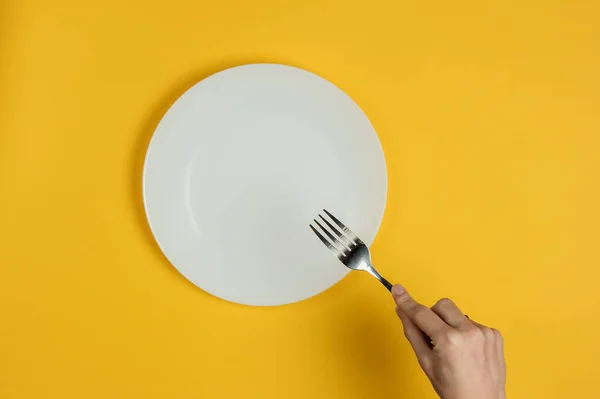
[{"x": 348, "y": 248}]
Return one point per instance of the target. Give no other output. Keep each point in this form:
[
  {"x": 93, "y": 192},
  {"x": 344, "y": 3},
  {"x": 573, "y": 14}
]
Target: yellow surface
[{"x": 489, "y": 116}]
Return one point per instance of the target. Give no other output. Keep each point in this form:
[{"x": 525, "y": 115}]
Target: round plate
[{"x": 241, "y": 164}]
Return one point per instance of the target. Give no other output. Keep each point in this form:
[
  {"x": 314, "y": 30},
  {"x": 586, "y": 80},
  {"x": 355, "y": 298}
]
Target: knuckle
[
  {"x": 444, "y": 302},
  {"x": 474, "y": 333},
  {"x": 488, "y": 333},
  {"x": 452, "y": 337},
  {"x": 404, "y": 300},
  {"x": 450, "y": 345},
  {"x": 497, "y": 335}
]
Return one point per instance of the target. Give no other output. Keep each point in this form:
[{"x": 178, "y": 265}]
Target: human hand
[{"x": 462, "y": 359}]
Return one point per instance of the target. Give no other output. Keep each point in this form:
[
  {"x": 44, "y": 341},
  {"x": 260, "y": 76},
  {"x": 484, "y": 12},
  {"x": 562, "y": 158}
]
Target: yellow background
[{"x": 489, "y": 116}]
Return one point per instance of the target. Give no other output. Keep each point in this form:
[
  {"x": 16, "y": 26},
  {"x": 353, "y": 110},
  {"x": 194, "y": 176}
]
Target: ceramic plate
[{"x": 240, "y": 165}]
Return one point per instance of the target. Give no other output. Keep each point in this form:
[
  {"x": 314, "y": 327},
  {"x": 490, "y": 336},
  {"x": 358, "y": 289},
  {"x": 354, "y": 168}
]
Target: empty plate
[{"x": 238, "y": 167}]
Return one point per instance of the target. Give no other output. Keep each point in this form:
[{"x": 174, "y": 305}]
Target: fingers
[
  {"x": 499, "y": 340},
  {"x": 500, "y": 349},
  {"x": 449, "y": 312},
  {"x": 487, "y": 332},
  {"x": 423, "y": 317},
  {"x": 416, "y": 338},
  {"x": 493, "y": 338}
]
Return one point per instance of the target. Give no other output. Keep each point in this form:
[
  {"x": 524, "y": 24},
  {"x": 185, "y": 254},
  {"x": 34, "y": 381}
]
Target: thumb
[
  {"x": 399, "y": 294},
  {"x": 423, "y": 317},
  {"x": 405, "y": 302}
]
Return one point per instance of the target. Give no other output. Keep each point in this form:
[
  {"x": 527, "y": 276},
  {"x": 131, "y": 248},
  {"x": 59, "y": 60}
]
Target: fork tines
[{"x": 343, "y": 244}]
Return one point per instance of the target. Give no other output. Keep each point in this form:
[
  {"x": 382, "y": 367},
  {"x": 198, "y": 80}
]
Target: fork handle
[
  {"x": 387, "y": 284},
  {"x": 381, "y": 279}
]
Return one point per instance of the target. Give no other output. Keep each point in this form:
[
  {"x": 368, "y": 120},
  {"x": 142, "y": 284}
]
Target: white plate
[{"x": 239, "y": 166}]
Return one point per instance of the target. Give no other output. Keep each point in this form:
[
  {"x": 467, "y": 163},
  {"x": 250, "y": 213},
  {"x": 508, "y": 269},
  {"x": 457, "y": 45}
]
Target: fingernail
[{"x": 398, "y": 289}]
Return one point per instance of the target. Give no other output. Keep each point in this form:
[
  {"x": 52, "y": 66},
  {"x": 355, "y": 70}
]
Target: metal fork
[{"x": 348, "y": 248}]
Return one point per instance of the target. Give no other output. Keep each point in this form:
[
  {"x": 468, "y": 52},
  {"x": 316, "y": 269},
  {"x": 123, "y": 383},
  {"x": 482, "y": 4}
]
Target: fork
[{"x": 348, "y": 248}]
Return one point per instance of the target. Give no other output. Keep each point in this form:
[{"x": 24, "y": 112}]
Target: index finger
[{"x": 429, "y": 322}]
